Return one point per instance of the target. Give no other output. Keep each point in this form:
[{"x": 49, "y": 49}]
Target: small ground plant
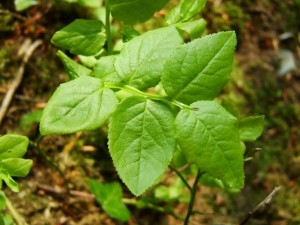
[
  {"x": 158, "y": 94},
  {"x": 12, "y": 149}
]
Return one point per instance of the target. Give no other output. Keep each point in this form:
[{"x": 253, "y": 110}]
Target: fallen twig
[
  {"x": 266, "y": 201},
  {"x": 19, "y": 76},
  {"x": 60, "y": 191}
]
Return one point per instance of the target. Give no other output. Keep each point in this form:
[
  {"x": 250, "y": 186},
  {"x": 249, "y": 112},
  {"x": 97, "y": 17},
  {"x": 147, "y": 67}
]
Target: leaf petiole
[{"x": 135, "y": 91}]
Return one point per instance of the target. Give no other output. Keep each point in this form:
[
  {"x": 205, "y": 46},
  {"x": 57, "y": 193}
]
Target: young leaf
[
  {"x": 231, "y": 108},
  {"x": 141, "y": 141},
  {"x": 80, "y": 104},
  {"x": 2, "y": 201},
  {"x": 16, "y": 167},
  {"x": 24, "y": 4},
  {"x": 209, "y": 137},
  {"x": 135, "y": 11},
  {"x": 73, "y": 68},
  {"x": 129, "y": 33},
  {"x": 13, "y": 146},
  {"x": 81, "y": 37},
  {"x": 89, "y": 61},
  {"x": 30, "y": 118},
  {"x": 185, "y": 11},
  {"x": 9, "y": 181},
  {"x": 195, "y": 28},
  {"x": 200, "y": 69},
  {"x": 109, "y": 196},
  {"x": 90, "y": 3},
  {"x": 6, "y": 219},
  {"x": 210, "y": 181},
  {"x": 251, "y": 128},
  {"x": 105, "y": 70},
  {"x": 141, "y": 61},
  {"x": 172, "y": 193}
]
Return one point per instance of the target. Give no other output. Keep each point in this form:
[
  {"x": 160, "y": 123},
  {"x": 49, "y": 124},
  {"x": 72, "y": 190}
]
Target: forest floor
[{"x": 265, "y": 30}]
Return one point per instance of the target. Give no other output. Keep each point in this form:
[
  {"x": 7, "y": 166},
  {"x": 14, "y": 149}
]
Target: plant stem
[
  {"x": 181, "y": 177},
  {"x": 192, "y": 200},
  {"x": 14, "y": 213},
  {"x": 135, "y": 91},
  {"x": 107, "y": 28}
]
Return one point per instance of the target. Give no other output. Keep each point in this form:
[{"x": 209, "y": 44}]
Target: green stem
[
  {"x": 192, "y": 200},
  {"x": 14, "y": 213},
  {"x": 135, "y": 91},
  {"x": 107, "y": 28},
  {"x": 181, "y": 177}
]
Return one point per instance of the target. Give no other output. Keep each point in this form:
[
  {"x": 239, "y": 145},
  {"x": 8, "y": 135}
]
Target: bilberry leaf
[
  {"x": 251, "y": 128},
  {"x": 133, "y": 11},
  {"x": 16, "y": 167},
  {"x": 200, "y": 69},
  {"x": 105, "y": 70},
  {"x": 81, "y": 37},
  {"x": 4, "y": 175},
  {"x": 73, "y": 68},
  {"x": 109, "y": 195},
  {"x": 13, "y": 146},
  {"x": 21, "y": 5},
  {"x": 80, "y": 104},
  {"x": 142, "y": 59},
  {"x": 141, "y": 141},
  {"x": 209, "y": 137},
  {"x": 194, "y": 28},
  {"x": 185, "y": 11}
]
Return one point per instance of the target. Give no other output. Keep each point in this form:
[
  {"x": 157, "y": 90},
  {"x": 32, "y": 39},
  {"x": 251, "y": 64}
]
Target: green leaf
[
  {"x": 251, "y": 128},
  {"x": 81, "y": 37},
  {"x": 88, "y": 61},
  {"x": 142, "y": 59},
  {"x": 200, "y": 69},
  {"x": 7, "y": 220},
  {"x": 13, "y": 146},
  {"x": 210, "y": 181},
  {"x": 109, "y": 196},
  {"x": 178, "y": 159},
  {"x": 129, "y": 33},
  {"x": 133, "y": 11},
  {"x": 195, "y": 29},
  {"x": 141, "y": 141},
  {"x": 16, "y": 167},
  {"x": 9, "y": 181},
  {"x": 231, "y": 108},
  {"x": 73, "y": 68},
  {"x": 209, "y": 137},
  {"x": 30, "y": 118},
  {"x": 24, "y": 4},
  {"x": 170, "y": 193},
  {"x": 2, "y": 201},
  {"x": 80, "y": 104},
  {"x": 90, "y": 3},
  {"x": 185, "y": 11},
  {"x": 105, "y": 70}
]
